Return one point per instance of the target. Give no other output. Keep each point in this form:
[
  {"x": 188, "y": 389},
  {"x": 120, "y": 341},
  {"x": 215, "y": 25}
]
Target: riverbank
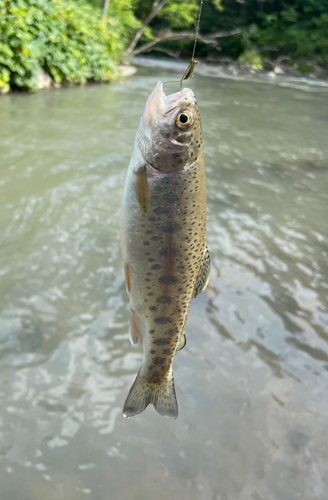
[
  {"x": 61, "y": 43},
  {"x": 230, "y": 67},
  {"x": 45, "y": 82},
  {"x": 280, "y": 66},
  {"x": 224, "y": 66},
  {"x": 220, "y": 67}
]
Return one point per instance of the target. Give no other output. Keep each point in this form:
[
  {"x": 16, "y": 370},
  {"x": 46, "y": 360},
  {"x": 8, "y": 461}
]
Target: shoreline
[
  {"x": 229, "y": 67},
  {"x": 270, "y": 68},
  {"x": 45, "y": 82},
  {"x": 233, "y": 68}
]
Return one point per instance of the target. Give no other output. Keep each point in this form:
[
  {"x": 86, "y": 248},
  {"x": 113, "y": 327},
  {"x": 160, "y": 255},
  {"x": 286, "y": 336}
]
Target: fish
[{"x": 163, "y": 240}]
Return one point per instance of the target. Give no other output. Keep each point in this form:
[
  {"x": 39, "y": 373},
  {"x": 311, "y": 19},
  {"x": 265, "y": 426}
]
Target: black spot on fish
[
  {"x": 155, "y": 267},
  {"x": 151, "y": 332},
  {"x": 160, "y": 342},
  {"x": 160, "y": 210},
  {"x": 162, "y": 320},
  {"x": 170, "y": 198},
  {"x": 173, "y": 252},
  {"x": 167, "y": 280},
  {"x": 164, "y": 300},
  {"x": 158, "y": 360},
  {"x": 153, "y": 308},
  {"x": 170, "y": 332},
  {"x": 170, "y": 228}
]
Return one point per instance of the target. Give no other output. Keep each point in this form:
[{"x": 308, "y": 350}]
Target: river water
[{"x": 252, "y": 379}]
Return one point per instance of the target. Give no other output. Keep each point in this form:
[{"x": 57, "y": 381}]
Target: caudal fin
[{"x": 142, "y": 393}]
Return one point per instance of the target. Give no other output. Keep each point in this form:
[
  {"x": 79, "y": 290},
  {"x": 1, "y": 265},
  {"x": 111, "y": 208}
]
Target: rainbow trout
[{"x": 164, "y": 240}]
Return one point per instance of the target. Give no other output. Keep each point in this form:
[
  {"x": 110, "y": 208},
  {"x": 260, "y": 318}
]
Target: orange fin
[
  {"x": 127, "y": 278},
  {"x": 142, "y": 189},
  {"x": 135, "y": 333}
]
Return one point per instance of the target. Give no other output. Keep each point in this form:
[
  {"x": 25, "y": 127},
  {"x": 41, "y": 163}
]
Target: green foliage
[
  {"x": 123, "y": 12},
  {"x": 180, "y": 14},
  {"x": 300, "y": 30},
  {"x": 295, "y": 28},
  {"x": 70, "y": 41},
  {"x": 218, "y": 5},
  {"x": 73, "y": 43},
  {"x": 174, "y": 15},
  {"x": 252, "y": 58}
]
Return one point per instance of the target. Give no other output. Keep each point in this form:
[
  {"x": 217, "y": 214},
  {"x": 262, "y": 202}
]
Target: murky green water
[{"x": 252, "y": 380}]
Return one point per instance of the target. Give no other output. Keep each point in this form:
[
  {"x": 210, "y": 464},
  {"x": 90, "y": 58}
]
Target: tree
[
  {"x": 105, "y": 4},
  {"x": 159, "y": 20}
]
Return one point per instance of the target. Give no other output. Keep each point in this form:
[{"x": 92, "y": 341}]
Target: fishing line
[
  {"x": 189, "y": 71},
  {"x": 197, "y": 28}
]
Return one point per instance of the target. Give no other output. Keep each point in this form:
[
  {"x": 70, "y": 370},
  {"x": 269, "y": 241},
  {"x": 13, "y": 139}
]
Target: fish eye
[{"x": 184, "y": 119}]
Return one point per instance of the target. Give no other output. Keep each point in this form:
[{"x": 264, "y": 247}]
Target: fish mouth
[
  {"x": 161, "y": 105},
  {"x": 156, "y": 102}
]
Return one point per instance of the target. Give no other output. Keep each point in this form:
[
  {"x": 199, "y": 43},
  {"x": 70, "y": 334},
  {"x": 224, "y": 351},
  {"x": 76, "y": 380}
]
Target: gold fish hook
[
  {"x": 189, "y": 71},
  {"x": 187, "y": 74}
]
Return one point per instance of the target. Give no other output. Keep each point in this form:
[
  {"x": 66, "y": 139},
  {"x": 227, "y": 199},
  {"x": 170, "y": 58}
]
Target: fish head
[{"x": 170, "y": 134}]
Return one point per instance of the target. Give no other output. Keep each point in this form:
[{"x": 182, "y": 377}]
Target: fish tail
[{"x": 142, "y": 393}]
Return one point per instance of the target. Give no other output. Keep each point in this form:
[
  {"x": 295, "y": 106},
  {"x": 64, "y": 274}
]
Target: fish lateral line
[{"x": 169, "y": 270}]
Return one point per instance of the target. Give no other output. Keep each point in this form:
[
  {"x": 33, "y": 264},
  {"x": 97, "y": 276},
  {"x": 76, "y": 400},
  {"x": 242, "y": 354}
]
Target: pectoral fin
[
  {"x": 142, "y": 189},
  {"x": 203, "y": 274},
  {"x": 134, "y": 333}
]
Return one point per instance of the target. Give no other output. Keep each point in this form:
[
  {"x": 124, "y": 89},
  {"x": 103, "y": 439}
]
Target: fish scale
[{"x": 163, "y": 241}]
